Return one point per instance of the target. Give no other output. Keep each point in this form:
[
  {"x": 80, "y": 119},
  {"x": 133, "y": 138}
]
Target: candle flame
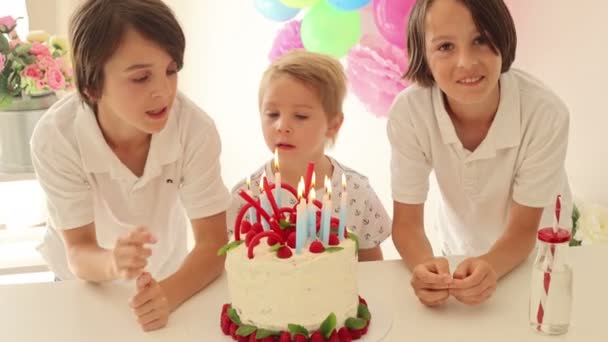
[
  {"x": 313, "y": 183},
  {"x": 276, "y": 159},
  {"x": 248, "y": 182},
  {"x": 300, "y": 187},
  {"x": 327, "y": 186},
  {"x": 312, "y": 195}
]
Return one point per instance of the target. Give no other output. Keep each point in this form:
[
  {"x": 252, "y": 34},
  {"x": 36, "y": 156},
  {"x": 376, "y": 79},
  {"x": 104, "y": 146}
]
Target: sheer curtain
[{"x": 15, "y": 9}]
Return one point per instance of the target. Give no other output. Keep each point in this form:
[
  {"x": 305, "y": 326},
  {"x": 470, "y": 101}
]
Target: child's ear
[
  {"x": 91, "y": 94},
  {"x": 334, "y": 125}
]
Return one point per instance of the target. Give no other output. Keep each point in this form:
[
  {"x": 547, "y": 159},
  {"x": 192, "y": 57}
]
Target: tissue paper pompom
[
  {"x": 375, "y": 70},
  {"x": 286, "y": 40}
]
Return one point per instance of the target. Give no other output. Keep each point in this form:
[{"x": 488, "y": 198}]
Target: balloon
[
  {"x": 329, "y": 30},
  {"x": 286, "y": 40},
  {"x": 349, "y": 5},
  {"x": 374, "y": 70},
  {"x": 391, "y": 18},
  {"x": 299, "y": 3},
  {"x": 275, "y": 10}
]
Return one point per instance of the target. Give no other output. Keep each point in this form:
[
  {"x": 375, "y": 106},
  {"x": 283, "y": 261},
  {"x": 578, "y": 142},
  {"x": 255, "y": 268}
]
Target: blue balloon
[
  {"x": 349, "y": 5},
  {"x": 275, "y": 10}
]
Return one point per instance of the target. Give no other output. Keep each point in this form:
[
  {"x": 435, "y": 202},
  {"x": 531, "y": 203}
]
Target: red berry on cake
[
  {"x": 252, "y": 338},
  {"x": 333, "y": 239},
  {"x": 267, "y": 339},
  {"x": 245, "y": 227},
  {"x": 364, "y": 330},
  {"x": 344, "y": 335},
  {"x": 300, "y": 338},
  {"x": 257, "y": 227},
  {"x": 225, "y": 324},
  {"x": 316, "y": 247},
  {"x": 291, "y": 240},
  {"x": 285, "y": 337},
  {"x": 244, "y": 338},
  {"x": 233, "y": 329},
  {"x": 355, "y": 334},
  {"x": 272, "y": 241},
  {"x": 225, "y": 308},
  {"x": 317, "y": 337},
  {"x": 334, "y": 337},
  {"x": 250, "y": 236},
  {"x": 362, "y": 301},
  {"x": 284, "y": 253}
]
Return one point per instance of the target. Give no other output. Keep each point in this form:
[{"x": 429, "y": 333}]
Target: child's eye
[
  {"x": 301, "y": 116},
  {"x": 141, "y": 79},
  {"x": 446, "y": 47},
  {"x": 480, "y": 41},
  {"x": 272, "y": 114},
  {"x": 171, "y": 71}
]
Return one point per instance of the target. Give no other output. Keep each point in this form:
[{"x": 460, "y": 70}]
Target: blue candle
[
  {"x": 326, "y": 213},
  {"x": 312, "y": 215},
  {"x": 301, "y": 219}
]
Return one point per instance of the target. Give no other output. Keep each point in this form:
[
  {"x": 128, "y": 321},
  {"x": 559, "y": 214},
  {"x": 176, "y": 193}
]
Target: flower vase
[{"x": 17, "y": 122}]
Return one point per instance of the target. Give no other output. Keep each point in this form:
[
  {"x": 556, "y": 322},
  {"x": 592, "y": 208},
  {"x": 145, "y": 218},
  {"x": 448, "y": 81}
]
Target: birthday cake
[{"x": 293, "y": 278}]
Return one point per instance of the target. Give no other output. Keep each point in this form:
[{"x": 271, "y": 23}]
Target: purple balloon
[{"x": 391, "y": 17}]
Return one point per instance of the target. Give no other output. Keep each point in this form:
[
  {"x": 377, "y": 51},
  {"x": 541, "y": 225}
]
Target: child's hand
[
  {"x": 150, "y": 303},
  {"x": 474, "y": 281},
  {"x": 129, "y": 256},
  {"x": 431, "y": 280}
]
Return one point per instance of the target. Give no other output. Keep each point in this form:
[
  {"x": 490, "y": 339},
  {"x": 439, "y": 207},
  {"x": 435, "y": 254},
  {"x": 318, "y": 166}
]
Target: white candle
[
  {"x": 251, "y": 211},
  {"x": 277, "y": 179},
  {"x": 312, "y": 215},
  {"x": 326, "y": 212},
  {"x": 301, "y": 219}
]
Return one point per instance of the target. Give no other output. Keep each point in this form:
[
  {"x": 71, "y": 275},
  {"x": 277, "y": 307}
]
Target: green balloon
[
  {"x": 328, "y": 30},
  {"x": 298, "y": 3}
]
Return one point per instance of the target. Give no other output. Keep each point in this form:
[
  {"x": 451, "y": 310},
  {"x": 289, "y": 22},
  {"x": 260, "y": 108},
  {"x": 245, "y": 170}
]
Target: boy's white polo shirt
[
  {"x": 521, "y": 159},
  {"x": 85, "y": 182}
]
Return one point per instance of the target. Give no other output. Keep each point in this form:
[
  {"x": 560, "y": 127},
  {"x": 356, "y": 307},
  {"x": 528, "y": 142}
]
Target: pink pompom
[
  {"x": 286, "y": 40},
  {"x": 375, "y": 70}
]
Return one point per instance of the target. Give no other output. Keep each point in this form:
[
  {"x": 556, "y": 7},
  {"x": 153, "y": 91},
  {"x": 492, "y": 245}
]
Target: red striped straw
[{"x": 542, "y": 305}]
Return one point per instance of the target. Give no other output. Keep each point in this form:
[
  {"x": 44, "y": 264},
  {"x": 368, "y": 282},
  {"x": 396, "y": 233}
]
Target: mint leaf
[
  {"x": 234, "y": 317},
  {"x": 355, "y": 238},
  {"x": 363, "y": 312},
  {"x": 284, "y": 224},
  {"x": 276, "y": 247},
  {"x": 328, "y": 325},
  {"x": 262, "y": 333},
  {"x": 245, "y": 330},
  {"x": 333, "y": 249},
  {"x": 297, "y": 329},
  {"x": 229, "y": 246},
  {"x": 355, "y": 323}
]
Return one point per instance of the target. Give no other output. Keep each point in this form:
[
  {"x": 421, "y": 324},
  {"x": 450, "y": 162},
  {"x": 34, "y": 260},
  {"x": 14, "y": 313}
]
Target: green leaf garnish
[
  {"x": 355, "y": 238},
  {"x": 355, "y": 323},
  {"x": 234, "y": 317},
  {"x": 245, "y": 330},
  {"x": 275, "y": 247},
  {"x": 284, "y": 224},
  {"x": 229, "y": 246},
  {"x": 328, "y": 325},
  {"x": 363, "y": 312},
  {"x": 262, "y": 333},
  {"x": 333, "y": 249},
  {"x": 297, "y": 329}
]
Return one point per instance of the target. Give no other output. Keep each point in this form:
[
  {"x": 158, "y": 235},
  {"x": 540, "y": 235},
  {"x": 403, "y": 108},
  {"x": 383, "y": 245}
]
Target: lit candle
[
  {"x": 251, "y": 212},
  {"x": 264, "y": 202},
  {"x": 343, "y": 198},
  {"x": 326, "y": 212},
  {"x": 301, "y": 221},
  {"x": 277, "y": 178},
  {"x": 312, "y": 215}
]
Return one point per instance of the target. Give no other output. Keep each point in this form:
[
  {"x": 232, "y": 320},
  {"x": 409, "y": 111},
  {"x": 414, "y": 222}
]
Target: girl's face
[
  {"x": 140, "y": 83},
  {"x": 462, "y": 63},
  {"x": 294, "y": 121}
]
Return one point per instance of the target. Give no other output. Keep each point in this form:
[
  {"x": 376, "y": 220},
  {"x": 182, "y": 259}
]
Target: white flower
[{"x": 592, "y": 224}]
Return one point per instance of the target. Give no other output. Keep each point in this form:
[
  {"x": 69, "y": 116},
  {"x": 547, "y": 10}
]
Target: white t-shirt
[
  {"x": 521, "y": 159},
  {"x": 84, "y": 181},
  {"x": 366, "y": 215}
]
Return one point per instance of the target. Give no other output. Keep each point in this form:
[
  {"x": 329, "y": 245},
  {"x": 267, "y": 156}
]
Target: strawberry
[
  {"x": 250, "y": 236},
  {"x": 284, "y": 253},
  {"x": 365, "y": 329},
  {"x": 316, "y": 247},
  {"x": 244, "y": 338},
  {"x": 300, "y": 338},
  {"x": 333, "y": 239},
  {"x": 334, "y": 337},
  {"x": 225, "y": 308},
  {"x": 285, "y": 337},
  {"x": 355, "y": 334},
  {"x": 257, "y": 227},
  {"x": 344, "y": 335},
  {"x": 245, "y": 226},
  {"x": 362, "y": 301},
  {"x": 233, "y": 329},
  {"x": 271, "y": 241},
  {"x": 317, "y": 337},
  {"x": 268, "y": 339},
  {"x": 252, "y": 338},
  {"x": 225, "y": 324},
  {"x": 291, "y": 240}
]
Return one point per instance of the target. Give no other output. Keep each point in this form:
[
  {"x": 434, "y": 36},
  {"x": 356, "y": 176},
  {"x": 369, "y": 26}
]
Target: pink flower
[
  {"x": 39, "y": 49},
  {"x": 13, "y": 43},
  {"x": 287, "y": 39},
  {"x": 40, "y": 84},
  {"x": 8, "y": 22},
  {"x": 32, "y": 71},
  {"x": 2, "y": 60},
  {"x": 55, "y": 79},
  {"x": 45, "y": 62}
]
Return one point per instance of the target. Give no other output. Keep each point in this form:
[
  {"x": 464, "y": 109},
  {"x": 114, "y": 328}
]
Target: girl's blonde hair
[{"x": 322, "y": 73}]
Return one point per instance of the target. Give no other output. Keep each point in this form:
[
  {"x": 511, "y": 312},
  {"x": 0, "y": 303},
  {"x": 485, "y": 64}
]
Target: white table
[{"x": 76, "y": 311}]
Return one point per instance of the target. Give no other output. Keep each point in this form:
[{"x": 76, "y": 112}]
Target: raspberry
[
  {"x": 257, "y": 227},
  {"x": 362, "y": 301},
  {"x": 225, "y": 308},
  {"x": 284, "y": 253},
  {"x": 252, "y": 338},
  {"x": 244, "y": 338},
  {"x": 225, "y": 324},
  {"x": 334, "y": 337},
  {"x": 355, "y": 334},
  {"x": 267, "y": 339},
  {"x": 291, "y": 240},
  {"x": 285, "y": 337},
  {"x": 333, "y": 239},
  {"x": 245, "y": 226},
  {"x": 365, "y": 329},
  {"x": 317, "y": 337},
  {"x": 250, "y": 236},
  {"x": 344, "y": 335},
  {"x": 300, "y": 338},
  {"x": 233, "y": 329},
  {"x": 316, "y": 247},
  {"x": 271, "y": 241}
]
